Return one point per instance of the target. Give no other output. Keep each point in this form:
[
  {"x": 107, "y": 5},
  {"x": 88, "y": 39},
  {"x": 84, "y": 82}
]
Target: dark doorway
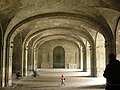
[{"x": 58, "y": 57}]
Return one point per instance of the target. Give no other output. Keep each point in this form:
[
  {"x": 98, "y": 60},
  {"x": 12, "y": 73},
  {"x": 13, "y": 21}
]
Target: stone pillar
[
  {"x": 3, "y": 67},
  {"x": 1, "y": 54},
  {"x": 110, "y": 48},
  {"x": 88, "y": 58},
  {"x": 25, "y": 62},
  {"x": 48, "y": 58},
  {"x": 79, "y": 58},
  {"x": 8, "y": 74},
  {"x": 93, "y": 62},
  {"x": 84, "y": 60},
  {"x": 34, "y": 59},
  {"x": 106, "y": 52},
  {"x": 29, "y": 58}
]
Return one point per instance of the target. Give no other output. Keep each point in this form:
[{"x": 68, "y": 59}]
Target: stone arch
[
  {"x": 67, "y": 36},
  {"x": 8, "y": 40},
  {"x": 48, "y": 38},
  {"x": 60, "y": 14},
  {"x": 55, "y": 37}
]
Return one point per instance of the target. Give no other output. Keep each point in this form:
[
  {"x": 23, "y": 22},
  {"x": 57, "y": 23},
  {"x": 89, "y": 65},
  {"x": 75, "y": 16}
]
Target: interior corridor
[
  {"x": 49, "y": 79},
  {"x": 75, "y": 36}
]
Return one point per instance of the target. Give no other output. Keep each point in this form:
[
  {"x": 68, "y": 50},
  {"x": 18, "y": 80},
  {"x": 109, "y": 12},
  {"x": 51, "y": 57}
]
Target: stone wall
[
  {"x": 17, "y": 54},
  {"x": 71, "y": 54}
]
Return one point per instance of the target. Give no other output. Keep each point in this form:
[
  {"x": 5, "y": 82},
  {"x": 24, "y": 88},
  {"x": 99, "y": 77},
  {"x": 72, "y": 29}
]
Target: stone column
[
  {"x": 8, "y": 74},
  {"x": 109, "y": 48},
  {"x": 29, "y": 58},
  {"x": 84, "y": 60},
  {"x": 1, "y": 57},
  {"x": 25, "y": 61},
  {"x": 93, "y": 62},
  {"x": 88, "y": 58},
  {"x": 3, "y": 67},
  {"x": 106, "y": 52},
  {"x": 34, "y": 59}
]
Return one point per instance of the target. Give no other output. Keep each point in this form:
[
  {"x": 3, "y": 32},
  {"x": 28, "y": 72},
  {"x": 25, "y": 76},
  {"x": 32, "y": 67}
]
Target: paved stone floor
[{"x": 50, "y": 80}]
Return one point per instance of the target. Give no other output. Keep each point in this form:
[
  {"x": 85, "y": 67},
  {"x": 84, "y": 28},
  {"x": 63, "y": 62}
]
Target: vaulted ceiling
[{"x": 39, "y": 19}]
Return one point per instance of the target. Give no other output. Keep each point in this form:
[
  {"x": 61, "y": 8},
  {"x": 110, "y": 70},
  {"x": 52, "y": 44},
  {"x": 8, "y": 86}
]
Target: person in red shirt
[{"x": 62, "y": 80}]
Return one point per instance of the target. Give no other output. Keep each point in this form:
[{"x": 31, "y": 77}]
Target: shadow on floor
[{"x": 93, "y": 87}]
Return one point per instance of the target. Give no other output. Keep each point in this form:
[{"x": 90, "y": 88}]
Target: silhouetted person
[
  {"x": 112, "y": 73},
  {"x": 62, "y": 80},
  {"x": 34, "y": 73},
  {"x": 18, "y": 75}
]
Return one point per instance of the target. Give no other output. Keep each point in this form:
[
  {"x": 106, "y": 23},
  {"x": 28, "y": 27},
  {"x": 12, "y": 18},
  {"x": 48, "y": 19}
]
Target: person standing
[
  {"x": 112, "y": 73},
  {"x": 18, "y": 75},
  {"x": 34, "y": 73},
  {"x": 62, "y": 80}
]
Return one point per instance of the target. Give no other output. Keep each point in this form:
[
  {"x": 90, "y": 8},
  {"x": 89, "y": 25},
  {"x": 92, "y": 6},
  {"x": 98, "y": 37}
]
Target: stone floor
[{"x": 50, "y": 80}]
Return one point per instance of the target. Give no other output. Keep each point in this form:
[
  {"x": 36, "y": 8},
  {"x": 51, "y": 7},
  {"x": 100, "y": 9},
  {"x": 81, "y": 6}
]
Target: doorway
[{"x": 58, "y": 57}]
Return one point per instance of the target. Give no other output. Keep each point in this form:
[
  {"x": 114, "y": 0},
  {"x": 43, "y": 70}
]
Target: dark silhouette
[
  {"x": 112, "y": 73},
  {"x": 18, "y": 75},
  {"x": 34, "y": 73}
]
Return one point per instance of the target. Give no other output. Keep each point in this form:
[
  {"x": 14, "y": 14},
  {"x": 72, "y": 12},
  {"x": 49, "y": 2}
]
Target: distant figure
[
  {"x": 18, "y": 75},
  {"x": 112, "y": 73},
  {"x": 62, "y": 80},
  {"x": 34, "y": 73}
]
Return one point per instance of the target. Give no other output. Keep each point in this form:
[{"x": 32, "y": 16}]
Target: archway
[{"x": 58, "y": 57}]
